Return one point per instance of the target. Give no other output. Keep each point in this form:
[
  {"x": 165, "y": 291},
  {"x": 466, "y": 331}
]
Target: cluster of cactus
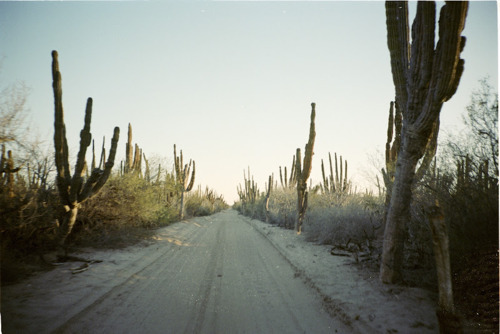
[
  {"x": 248, "y": 194},
  {"x": 133, "y": 156},
  {"x": 182, "y": 179},
  {"x": 337, "y": 184},
  {"x": 465, "y": 175},
  {"x": 291, "y": 181},
  {"x": 73, "y": 190},
  {"x": 211, "y": 196},
  {"x": 7, "y": 171},
  {"x": 303, "y": 171}
]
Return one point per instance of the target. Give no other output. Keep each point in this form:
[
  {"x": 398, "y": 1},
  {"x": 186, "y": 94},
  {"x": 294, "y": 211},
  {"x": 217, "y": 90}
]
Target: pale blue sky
[{"x": 229, "y": 82}]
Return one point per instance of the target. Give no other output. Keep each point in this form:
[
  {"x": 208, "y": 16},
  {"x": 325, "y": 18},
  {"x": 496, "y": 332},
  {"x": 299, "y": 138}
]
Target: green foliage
[
  {"x": 128, "y": 200},
  {"x": 204, "y": 204}
]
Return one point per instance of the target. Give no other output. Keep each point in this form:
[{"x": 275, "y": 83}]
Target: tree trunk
[{"x": 398, "y": 215}]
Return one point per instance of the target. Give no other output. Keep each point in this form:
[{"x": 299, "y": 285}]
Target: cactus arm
[
  {"x": 92, "y": 165},
  {"x": 430, "y": 152},
  {"x": 102, "y": 160},
  {"x": 191, "y": 183},
  {"x": 85, "y": 140},
  {"x": 390, "y": 127},
  {"x": 325, "y": 181},
  {"x": 129, "y": 151},
  {"x": 98, "y": 177},
  {"x": 110, "y": 162},
  {"x": 309, "y": 151},
  {"x": 398, "y": 37},
  {"x": 60, "y": 143}
]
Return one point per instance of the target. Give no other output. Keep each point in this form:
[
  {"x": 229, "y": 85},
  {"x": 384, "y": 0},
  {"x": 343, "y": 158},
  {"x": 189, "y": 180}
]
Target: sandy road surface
[{"x": 207, "y": 275}]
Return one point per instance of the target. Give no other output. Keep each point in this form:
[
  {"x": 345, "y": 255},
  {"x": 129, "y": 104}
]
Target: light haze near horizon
[{"x": 230, "y": 83}]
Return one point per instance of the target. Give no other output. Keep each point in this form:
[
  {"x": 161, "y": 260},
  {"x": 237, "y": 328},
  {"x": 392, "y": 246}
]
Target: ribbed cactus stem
[
  {"x": 269, "y": 188},
  {"x": 129, "y": 151},
  {"x": 102, "y": 160},
  {"x": 72, "y": 190},
  {"x": 426, "y": 74},
  {"x": 335, "y": 182},
  {"x": 303, "y": 171},
  {"x": 182, "y": 175}
]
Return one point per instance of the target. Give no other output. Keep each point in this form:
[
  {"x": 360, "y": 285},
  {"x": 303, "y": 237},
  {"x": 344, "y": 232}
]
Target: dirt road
[{"x": 207, "y": 275}]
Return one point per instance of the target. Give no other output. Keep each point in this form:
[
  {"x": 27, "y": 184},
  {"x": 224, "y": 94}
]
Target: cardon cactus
[
  {"x": 335, "y": 185},
  {"x": 289, "y": 182},
  {"x": 303, "y": 171},
  {"x": 73, "y": 190},
  {"x": 184, "y": 182},
  {"x": 133, "y": 158},
  {"x": 426, "y": 74}
]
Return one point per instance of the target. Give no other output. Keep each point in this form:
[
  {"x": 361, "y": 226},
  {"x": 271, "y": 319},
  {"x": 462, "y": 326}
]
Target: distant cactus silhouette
[
  {"x": 338, "y": 184},
  {"x": 292, "y": 180}
]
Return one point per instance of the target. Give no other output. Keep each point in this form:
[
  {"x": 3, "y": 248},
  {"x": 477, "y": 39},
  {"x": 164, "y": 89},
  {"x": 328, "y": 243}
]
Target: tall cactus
[
  {"x": 184, "y": 182},
  {"x": 425, "y": 75},
  {"x": 303, "y": 171},
  {"x": 73, "y": 190}
]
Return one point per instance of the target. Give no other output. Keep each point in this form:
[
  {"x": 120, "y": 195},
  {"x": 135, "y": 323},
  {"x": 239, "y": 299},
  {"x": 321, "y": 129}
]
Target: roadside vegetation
[
  {"x": 462, "y": 177},
  {"x": 40, "y": 211},
  {"x": 434, "y": 221}
]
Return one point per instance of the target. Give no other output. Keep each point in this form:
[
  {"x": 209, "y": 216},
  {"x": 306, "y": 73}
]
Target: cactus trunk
[
  {"x": 182, "y": 177},
  {"x": 73, "y": 190},
  {"x": 303, "y": 171},
  {"x": 425, "y": 76}
]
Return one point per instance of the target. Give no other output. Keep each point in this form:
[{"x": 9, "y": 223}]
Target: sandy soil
[
  {"x": 214, "y": 274},
  {"x": 354, "y": 295}
]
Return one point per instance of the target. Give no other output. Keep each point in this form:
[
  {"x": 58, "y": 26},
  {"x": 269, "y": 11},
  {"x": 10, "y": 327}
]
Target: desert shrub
[
  {"x": 352, "y": 219},
  {"x": 124, "y": 200},
  {"x": 197, "y": 206},
  {"x": 204, "y": 203},
  {"x": 283, "y": 207}
]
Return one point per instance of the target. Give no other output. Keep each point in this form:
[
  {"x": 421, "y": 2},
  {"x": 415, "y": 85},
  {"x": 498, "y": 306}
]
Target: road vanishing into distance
[{"x": 213, "y": 274}]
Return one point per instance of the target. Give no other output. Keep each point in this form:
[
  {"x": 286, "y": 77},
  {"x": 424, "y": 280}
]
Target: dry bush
[
  {"x": 340, "y": 221},
  {"x": 125, "y": 200},
  {"x": 282, "y": 207}
]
